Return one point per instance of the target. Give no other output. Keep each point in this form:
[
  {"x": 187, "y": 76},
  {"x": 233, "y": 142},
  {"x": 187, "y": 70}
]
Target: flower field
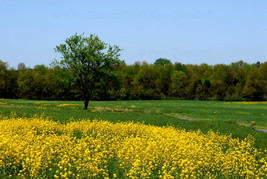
[{"x": 41, "y": 148}]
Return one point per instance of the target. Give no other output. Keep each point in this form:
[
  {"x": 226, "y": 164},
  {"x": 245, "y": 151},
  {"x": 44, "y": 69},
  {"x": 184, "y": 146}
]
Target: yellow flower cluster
[
  {"x": 251, "y": 102},
  {"x": 63, "y": 105},
  {"x": 39, "y": 148}
]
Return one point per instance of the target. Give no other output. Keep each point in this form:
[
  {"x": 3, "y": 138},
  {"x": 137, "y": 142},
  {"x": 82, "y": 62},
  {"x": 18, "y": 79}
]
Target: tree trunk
[
  {"x": 86, "y": 102},
  {"x": 86, "y": 97}
]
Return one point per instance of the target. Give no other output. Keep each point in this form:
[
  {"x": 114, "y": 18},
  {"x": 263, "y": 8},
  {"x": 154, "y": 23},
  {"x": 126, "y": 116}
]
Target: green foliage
[
  {"x": 3, "y": 76},
  {"x": 101, "y": 77},
  {"x": 179, "y": 81},
  {"x": 180, "y": 67},
  {"x": 87, "y": 61},
  {"x": 255, "y": 87},
  {"x": 162, "y": 62}
]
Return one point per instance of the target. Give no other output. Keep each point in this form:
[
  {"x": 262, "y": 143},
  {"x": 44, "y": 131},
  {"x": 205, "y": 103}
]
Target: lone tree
[{"x": 87, "y": 61}]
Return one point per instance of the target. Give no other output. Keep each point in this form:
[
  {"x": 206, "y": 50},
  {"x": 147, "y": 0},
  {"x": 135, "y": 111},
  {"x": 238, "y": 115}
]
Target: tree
[
  {"x": 89, "y": 61},
  {"x": 163, "y": 80},
  {"x": 21, "y": 66},
  {"x": 255, "y": 87},
  {"x": 162, "y": 62},
  {"x": 3, "y": 78},
  {"x": 178, "y": 84}
]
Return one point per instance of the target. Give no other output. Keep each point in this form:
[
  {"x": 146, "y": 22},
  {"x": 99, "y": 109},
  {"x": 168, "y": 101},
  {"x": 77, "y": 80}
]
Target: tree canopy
[
  {"x": 139, "y": 81},
  {"x": 87, "y": 61},
  {"x": 162, "y": 61}
]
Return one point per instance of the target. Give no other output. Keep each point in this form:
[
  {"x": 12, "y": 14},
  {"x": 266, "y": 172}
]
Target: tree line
[{"x": 141, "y": 81}]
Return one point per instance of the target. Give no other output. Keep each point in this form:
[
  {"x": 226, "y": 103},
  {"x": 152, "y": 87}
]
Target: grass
[{"x": 224, "y": 117}]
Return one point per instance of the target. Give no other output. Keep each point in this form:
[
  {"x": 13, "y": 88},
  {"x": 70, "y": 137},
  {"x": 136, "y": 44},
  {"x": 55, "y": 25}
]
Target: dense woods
[{"x": 142, "y": 81}]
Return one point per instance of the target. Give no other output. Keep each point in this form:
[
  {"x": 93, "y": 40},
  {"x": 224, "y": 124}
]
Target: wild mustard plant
[{"x": 40, "y": 148}]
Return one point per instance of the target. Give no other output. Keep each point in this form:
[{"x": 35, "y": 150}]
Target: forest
[{"x": 237, "y": 81}]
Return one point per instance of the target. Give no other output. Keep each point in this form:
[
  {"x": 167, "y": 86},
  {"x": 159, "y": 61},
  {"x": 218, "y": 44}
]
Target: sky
[{"x": 185, "y": 31}]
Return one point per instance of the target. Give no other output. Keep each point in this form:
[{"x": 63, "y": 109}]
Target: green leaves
[{"x": 89, "y": 61}]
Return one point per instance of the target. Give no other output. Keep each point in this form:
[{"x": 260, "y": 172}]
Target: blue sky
[{"x": 186, "y": 31}]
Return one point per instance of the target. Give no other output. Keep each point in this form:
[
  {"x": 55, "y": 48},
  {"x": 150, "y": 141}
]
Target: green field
[{"x": 224, "y": 117}]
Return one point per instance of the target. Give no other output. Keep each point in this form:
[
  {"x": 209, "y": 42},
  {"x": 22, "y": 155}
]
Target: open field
[
  {"x": 240, "y": 112},
  {"x": 132, "y": 139},
  {"x": 226, "y": 117}
]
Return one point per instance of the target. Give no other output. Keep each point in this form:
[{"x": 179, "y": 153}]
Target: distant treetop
[{"x": 162, "y": 62}]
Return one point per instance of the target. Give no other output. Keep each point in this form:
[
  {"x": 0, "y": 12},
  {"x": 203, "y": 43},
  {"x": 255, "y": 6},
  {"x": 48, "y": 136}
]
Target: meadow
[
  {"x": 225, "y": 117},
  {"x": 132, "y": 139}
]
